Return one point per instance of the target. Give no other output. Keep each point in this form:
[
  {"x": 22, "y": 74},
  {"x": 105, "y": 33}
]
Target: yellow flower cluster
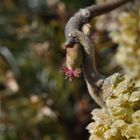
[
  {"x": 120, "y": 120},
  {"x": 128, "y": 38}
]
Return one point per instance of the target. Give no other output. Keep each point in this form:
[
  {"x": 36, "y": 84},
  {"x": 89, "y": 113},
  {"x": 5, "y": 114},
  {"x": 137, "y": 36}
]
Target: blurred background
[{"x": 36, "y": 102}]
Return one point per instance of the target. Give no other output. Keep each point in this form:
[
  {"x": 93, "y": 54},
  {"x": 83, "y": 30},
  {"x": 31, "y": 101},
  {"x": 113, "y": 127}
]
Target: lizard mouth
[{"x": 71, "y": 73}]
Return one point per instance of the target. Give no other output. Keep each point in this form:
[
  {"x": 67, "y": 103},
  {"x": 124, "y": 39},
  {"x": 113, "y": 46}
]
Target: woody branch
[{"x": 76, "y": 34}]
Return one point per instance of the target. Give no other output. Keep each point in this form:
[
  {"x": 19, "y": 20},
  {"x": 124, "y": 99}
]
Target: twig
[
  {"x": 75, "y": 35},
  {"x": 83, "y": 16}
]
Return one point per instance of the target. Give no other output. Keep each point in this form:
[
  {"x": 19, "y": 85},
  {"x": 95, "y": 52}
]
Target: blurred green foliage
[{"x": 38, "y": 103}]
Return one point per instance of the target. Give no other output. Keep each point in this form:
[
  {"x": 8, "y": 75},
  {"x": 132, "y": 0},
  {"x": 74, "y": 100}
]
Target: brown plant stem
[
  {"x": 93, "y": 79},
  {"x": 75, "y": 35},
  {"x": 83, "y": 16}
]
